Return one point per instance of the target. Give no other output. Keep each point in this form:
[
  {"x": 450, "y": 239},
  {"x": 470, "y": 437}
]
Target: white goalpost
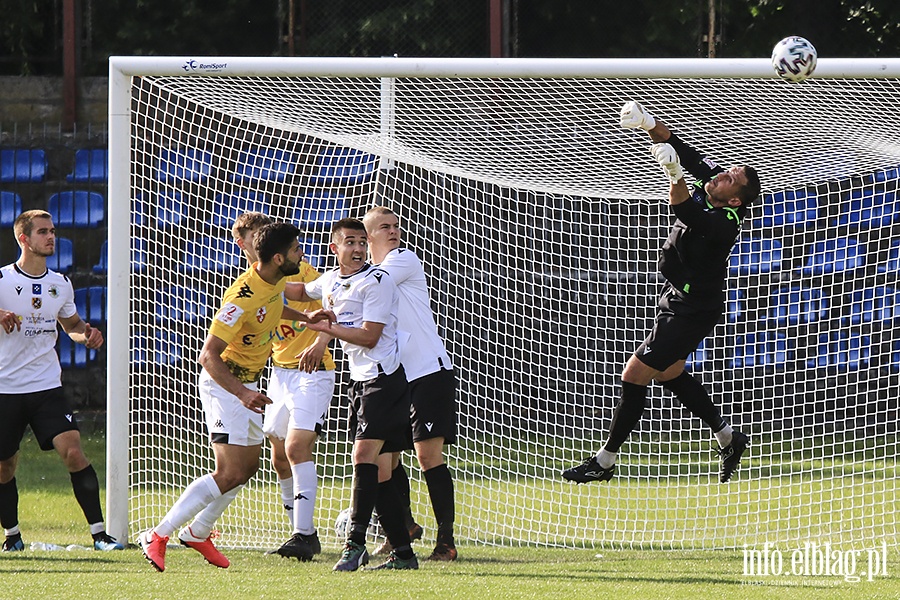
[{"x": 539, "y": 222}]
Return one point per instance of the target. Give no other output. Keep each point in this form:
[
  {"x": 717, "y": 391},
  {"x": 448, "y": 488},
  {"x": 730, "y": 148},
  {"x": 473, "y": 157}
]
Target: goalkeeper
[{"x": 694, "y": 261}]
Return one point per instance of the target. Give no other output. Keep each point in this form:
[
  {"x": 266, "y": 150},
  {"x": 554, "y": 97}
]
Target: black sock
[
  {"x": 87, "y": 493},
  {"x": 9, "y": 504},
  {"x": 695, "y": 398},
  {"x": 626, "y": 415},
  {"x": 440, "y": 489},
  {"x": 363, "y": 498},
  {"x": 390, "y": 511},
  {"x": 400, "y": 481}
]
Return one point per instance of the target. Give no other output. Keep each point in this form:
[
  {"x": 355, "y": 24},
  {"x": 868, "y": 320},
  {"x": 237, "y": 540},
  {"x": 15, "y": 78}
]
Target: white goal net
[{"x": 539, "y": 222}]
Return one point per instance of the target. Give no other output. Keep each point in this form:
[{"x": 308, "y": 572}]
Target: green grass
[{"x": 48, "y": 513}]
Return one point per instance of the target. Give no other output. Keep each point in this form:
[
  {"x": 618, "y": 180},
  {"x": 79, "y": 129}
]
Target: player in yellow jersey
[
  {"x": 301, "y": 390},
  {"x": 233, "y": 357}
]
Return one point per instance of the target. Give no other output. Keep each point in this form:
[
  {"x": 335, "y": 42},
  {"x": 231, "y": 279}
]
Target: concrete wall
[{"x": 38, "y": 101}]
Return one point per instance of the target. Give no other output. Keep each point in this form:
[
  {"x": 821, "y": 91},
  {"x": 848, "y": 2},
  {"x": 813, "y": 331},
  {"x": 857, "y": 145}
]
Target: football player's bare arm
[
  {"x": 311, "y": 316},
  {"x": 366, "y": 336},
  {"x": 81, "y": 332},
  {"x": 296, "y": 291},
  {"x": 9, "y": 321},
  {"x": 311, "y": 357},
  {"x": 211, "y": 360}
]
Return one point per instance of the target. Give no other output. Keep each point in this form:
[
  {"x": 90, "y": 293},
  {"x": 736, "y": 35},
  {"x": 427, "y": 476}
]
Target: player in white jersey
[
  {"x": 365, "y": 300},
  {"x": 33, "y": 299},
  {"x": 432, "y": 381}
]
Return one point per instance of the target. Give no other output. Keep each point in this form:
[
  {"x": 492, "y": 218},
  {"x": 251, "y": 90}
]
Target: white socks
[
  {"x": 304, "y": 496},
  {"x": 203, "y": 523},
  {"x": 724, "y": 436},
  {"x": 606, "y": 459},
  {"x": 193, "y": 499}
]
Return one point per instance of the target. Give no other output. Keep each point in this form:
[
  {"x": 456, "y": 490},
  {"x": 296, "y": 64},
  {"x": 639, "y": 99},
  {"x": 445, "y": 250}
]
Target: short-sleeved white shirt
[
  {"x": 368, "y": 295},
  {"x": 424, "y": 352},
  {"x": 28, "y": 360}
]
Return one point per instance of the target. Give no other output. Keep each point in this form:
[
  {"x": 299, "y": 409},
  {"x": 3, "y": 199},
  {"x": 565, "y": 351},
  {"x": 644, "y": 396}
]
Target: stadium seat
[
  {"x": 698, "y": 358},
  {"x": 834, "y": 256},
  {"x": 320, "y": 210},
  {"x": 138, "y": 257},
  {"x": 63, "y": 258},
  {"x": 796, "y": 304},
  {"x": 170, "y": 211},
  {"x": 865, "y": 208},
  {"x": 162, "y": 347},
  {"x": 21, "y": 165},
  {"x": 227, "y": 207},
  {"x": 78, "y": 209},
  {"x": 872, "y": 305},
  {"x": 209, "y": 254},
  {"x": 842, "y": 350},
  {"x": 90, "y": 302},
  {"x": 344, "y": 166},
  {"x": 793, "y": 208},
  {"x": 893, "y": 262},
  {"x": 181, "y": 304},
  {"x": 10, "y": 208},
  {"x": 889, "y": 174},
  {"x": 183, "y": 164},
  {"x": 754, "y": 257},
  {"x": 72, "y": 355},
  {"x": 269, "y": 164},
  {"x": 315, "y": 252},
  {"x": 761, "y": 349},
  {"x": 90, "y": 166},
  {"x": 735, "y": 305}
]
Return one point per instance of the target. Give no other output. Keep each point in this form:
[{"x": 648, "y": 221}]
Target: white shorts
[
  {"x": 228, "y": 421},
  {"x": 299, "y": 400}
]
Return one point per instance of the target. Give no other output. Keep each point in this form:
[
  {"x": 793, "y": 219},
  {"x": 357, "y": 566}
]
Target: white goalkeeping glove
[
  {"x": 634, "y": 115},
  {"x": 668, "y": 159}
]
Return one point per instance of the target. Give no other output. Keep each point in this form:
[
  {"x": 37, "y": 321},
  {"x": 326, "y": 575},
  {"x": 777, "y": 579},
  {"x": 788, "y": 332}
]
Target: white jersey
[
  {"x": 368, "y": 295},
  {"x": 28, "y": 360},
  {"x": 424, "y": 352}
]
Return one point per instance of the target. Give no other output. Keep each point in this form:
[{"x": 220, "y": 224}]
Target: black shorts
[
  {"x": 679, "y": 328},
  {"x": 379, "y": 410},
  {"x": 47, "y": 412},
  {"x": 434, "y": 406}
]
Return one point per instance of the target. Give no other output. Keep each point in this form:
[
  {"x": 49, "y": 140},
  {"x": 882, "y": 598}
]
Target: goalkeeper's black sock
[
  {"x": 87, "y": 493},
  {"x": 626, "y": 415},
  {"x": 440, "y": 489},
  {"x": 9, "y": 505},
  {"x": 363, "y": 498},
  {"x": 390, "y": 512},
  {"x": 400, "y": 481}
]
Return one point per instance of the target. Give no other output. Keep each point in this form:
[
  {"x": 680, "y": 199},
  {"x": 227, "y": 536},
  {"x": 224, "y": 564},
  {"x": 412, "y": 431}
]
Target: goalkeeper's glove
[
  {"x": 668, "y": 159},
  {"x": 634, "y": 115}
]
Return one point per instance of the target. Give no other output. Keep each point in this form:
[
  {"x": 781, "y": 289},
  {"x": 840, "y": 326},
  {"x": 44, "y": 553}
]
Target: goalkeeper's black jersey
[{"x": 694, "y": 258}]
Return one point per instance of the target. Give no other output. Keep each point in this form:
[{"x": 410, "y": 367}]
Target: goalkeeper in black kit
[{"x": 694, "y": 262}]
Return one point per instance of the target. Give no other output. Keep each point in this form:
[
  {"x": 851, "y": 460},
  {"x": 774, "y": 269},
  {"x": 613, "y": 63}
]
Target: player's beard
[{"x": 289, "y": 268}]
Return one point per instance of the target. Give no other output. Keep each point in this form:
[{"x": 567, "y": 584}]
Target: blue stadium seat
[
  {"x": 10, "y": 208},
  {"x": 103, "y": 265},
  {"x": 344, "y": 166},
  {"x": 171, "y": 211},
  {"x": 841, "y": 350},
  {"x": 72, "y": 355},
  {"x": 315, "y": 252},
  {"x": 873, "y": 305},
  {"x": 761, "y": 349},
  {"x": 90, "y": 165},
  {"x": 181, "y": 304},
  {"x": 698, "y": 358},
  {"x": 183, "y": 164},
  {"x": 756, "y": 256},
  {"x": 320, "y": 209},
  {"x": 834, "y": 256},
  {"x": 162, "y": 347},
  {"x": 209, "y": 254},
  {"x": 91, "y": 303},
  {"x": 866, "y": 208},
  {"x": 63, "y": 258},
  {"x": 735, "y": 305},
  {"x": 20, "y": 165},
  {"x": 268, "y": 164},
  {"x": 138, "y": 257},
  {"x": 796, "y": 304},
  {"x": 790, "y": 208},
  {"x": 227, "y": 207},
  {"x": 79, "y": 209},
  {"x": 889, "y": 174},
  {"x": 893, "y": 262}
]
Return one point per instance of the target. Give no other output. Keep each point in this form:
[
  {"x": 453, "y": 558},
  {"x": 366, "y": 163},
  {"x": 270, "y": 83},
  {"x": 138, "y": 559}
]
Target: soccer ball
[
  {"x": 794, "y": 59},
  {"x": 342, "y": 526}
]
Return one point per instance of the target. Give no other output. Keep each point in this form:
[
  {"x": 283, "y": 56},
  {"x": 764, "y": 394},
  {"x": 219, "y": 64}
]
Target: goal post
[{"x": 539, "y": 222}]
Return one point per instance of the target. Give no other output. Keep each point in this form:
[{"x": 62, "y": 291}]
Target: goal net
[{"x": 539, "y": 221}]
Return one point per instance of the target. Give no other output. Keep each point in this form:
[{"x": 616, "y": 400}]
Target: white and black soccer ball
[
  {"x": 342, "y": 526},
  {"x": 794, "y": 58}
]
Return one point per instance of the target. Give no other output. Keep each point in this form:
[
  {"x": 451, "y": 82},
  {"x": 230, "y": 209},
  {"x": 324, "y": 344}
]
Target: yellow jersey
[
  {"x": 292, "y": 337},
  {"x": 251, "y": 311}
]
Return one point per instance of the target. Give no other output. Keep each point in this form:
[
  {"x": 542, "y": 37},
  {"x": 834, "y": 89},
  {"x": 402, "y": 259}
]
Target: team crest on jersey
[
  {"x": 261, "y": 314},
  {"x": 36, "y": 303},
  {"x": 330, "y": 300},
  {"x": 53, "y": 291},
  {"x": 36, "y": 289}
]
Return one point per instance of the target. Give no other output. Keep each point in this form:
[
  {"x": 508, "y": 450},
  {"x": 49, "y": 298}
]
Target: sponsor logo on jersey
[
  {"x": 229, "y": 314},
  {"x": 245, "y": 291},
  {"x": 377, "y": 275},
  {"x": 218, "y": 424},
  {"x": 18, "y": 290},
  {"x": 69, "y": 417},
  {"x": 428, "y": 426},
  {"x": 36, "y": 289}
]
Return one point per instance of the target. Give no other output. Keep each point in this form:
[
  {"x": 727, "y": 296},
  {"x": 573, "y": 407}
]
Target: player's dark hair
[
  {"x": 274, "y": 238},
  {"x": 750, "y": 192},
  {"x": 347, "y": 223}
]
